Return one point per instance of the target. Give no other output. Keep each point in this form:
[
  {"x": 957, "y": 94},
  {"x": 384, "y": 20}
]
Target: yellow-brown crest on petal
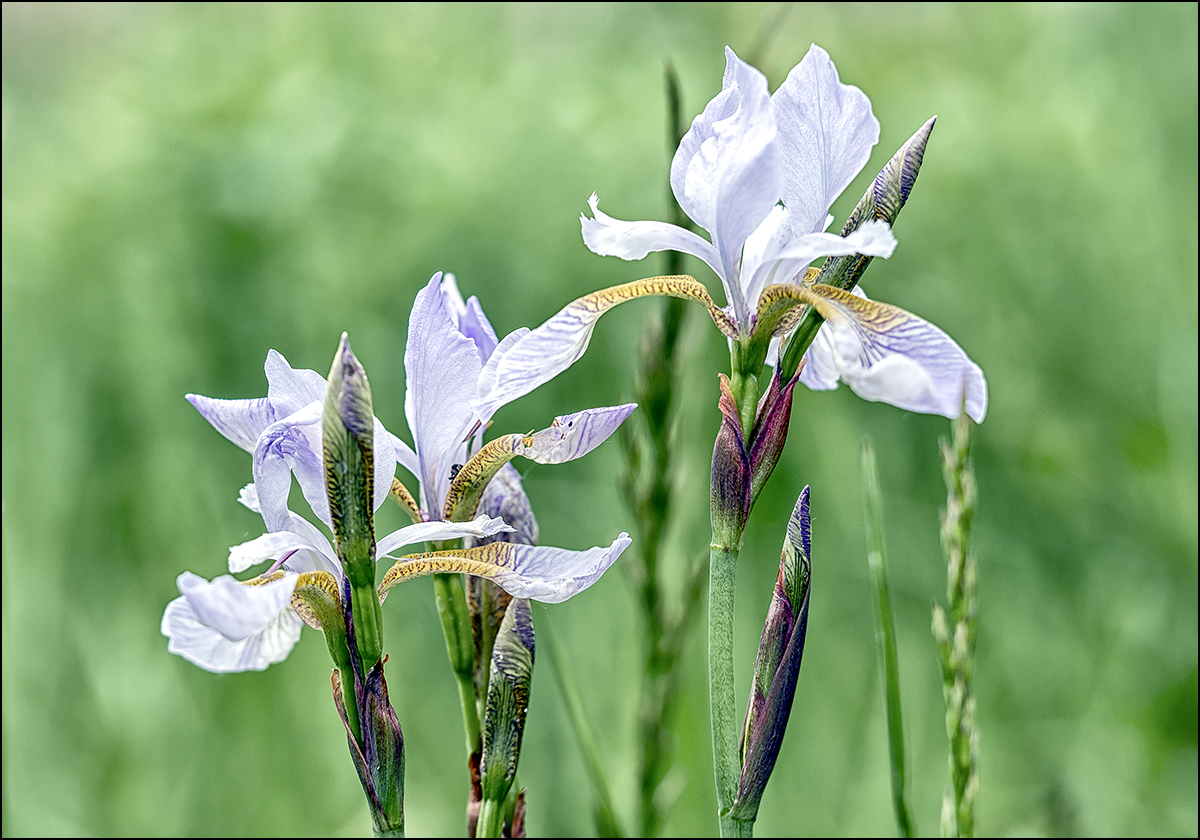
[{"x": 674, "y": 285}]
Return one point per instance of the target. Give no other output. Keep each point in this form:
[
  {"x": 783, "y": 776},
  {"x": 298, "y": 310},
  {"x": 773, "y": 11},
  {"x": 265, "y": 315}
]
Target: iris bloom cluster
[{"x": 228, "y": 625}]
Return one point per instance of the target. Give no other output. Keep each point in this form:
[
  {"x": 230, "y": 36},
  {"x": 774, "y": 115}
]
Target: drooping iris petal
[
  {"x": 306, "y": 548},
  {"x": 886, "y": 354},
  {"x": 241, "y": 421},
  {"x": 480, "y": 527},
  {"x": 826, "y": 132},
  {"x": 611, "y": 237},
  {"x": 522, "y": 364},
  {"x": 442, "y": 367},
  {"x": 543, "y": 573},
  {"x": 232, "y": 608},
  {"x": 572, "y": 436},
  {"x": 225, "y": 626}
]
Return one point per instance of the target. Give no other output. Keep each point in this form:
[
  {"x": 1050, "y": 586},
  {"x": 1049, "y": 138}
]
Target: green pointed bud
[
  {"x": 883, "y": 201},
  {"x": 347, "y": 428},
  {"x": 504, "y": 717}
]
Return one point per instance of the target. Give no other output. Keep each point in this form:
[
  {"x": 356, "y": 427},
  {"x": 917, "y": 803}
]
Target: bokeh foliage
[{"x": 185, "y": 187}]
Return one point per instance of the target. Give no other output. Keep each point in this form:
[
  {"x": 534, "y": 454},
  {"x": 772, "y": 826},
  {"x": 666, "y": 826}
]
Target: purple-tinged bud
[
  {"x": 730, "y": 490},
  {"x": 380, "y": 759},
  {"x": 770, "y": 432},
  {"x": 778, "y": 664},
  {"x": 383, "y": 747}
]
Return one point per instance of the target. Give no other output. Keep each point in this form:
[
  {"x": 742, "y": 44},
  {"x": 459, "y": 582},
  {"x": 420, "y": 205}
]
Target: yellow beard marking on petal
[
  {"x": 870, "y": 314},
  {"x": 482, "y": 561},
  {"x": 402, "y": 497},
  {"x": 674, "y": 285},
  {"x": 471, "y": 479}
]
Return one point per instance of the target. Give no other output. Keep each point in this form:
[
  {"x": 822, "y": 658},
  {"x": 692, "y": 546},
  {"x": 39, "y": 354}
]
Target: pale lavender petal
[
  {"x": 826, "y": 131},
  {"x": 533, "y": 358},
  {"x": 572, "y": 436},
  {"x": 553, "y": 575},
  {"x": 293, "y": 443},
  {"x": 726, "y": 173},
  {"x": 289, "y": 389},
  {"x": 874, "y": 239},
  {"x": 306, "y": 549},
  {"x": 820, "y": 370},
  {"x": 886, "y": 354},
  {"x": 241, "y": 421},
  {"x": 236, "y": 610},
  {"x": 248, "y": 496},
  {"x": 206, "y": 647},
  {"x": 481, "y": 526},
  {"x": 767, "y": 240},
  {"x": 611, "y": 237},
  {"x": 469, "y": 318},
  {"x": 405, "y": 456},
  {"x": 442, "y": 367},
  {"x": 385, "y": 464}
]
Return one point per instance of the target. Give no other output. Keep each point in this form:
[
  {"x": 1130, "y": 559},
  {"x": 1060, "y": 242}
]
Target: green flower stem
[
  {"x": 743, "y": 381},
  {"x": 456, "y": 626},
  {"x": 368, "y": 619},
  {"x": 496, "y": 816},
  {"x": 886, "y": 633},
  {"x": 723, "y": 706}
]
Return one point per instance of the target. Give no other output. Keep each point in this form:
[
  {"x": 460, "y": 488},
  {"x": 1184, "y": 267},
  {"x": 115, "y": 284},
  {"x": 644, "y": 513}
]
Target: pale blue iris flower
[{"x": 759, "y": 173}]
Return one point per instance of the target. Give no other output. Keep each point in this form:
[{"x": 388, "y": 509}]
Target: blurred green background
[{"x": 186, "y": 187}]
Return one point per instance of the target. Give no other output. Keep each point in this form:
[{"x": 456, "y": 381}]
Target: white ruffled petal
[
  {"x": 826, "y": 132},
  {"x": 204, "y": 646}
]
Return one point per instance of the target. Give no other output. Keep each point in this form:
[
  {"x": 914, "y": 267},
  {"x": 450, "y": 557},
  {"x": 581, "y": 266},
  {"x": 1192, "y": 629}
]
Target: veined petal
[
  {"x": 469, "y": 318},
  {"x": 726, "y": 173},
  {"x": 611, "y": 237},
  {"x": 271, "y": 631},
  {"x": 572, "y": 436},
  {"x": 888, "y": 355},
  {"x": 293, "y": 443},
  {"x": 533, "y": 358},
  {"x": 480, "y": 527},
  {"x": 384, "y": 467},
  {"x": 874, "y": 239},
  {"x": 241, "y": 421},
  {"x": 826, "y": 131},
  {"x": 289, "y": 389},
  {"x": 442, "y": 367},
  {"x": 235, "y": 609},
  {"x": 308, "y": 548},
  {"x": 543, "y": 573}
]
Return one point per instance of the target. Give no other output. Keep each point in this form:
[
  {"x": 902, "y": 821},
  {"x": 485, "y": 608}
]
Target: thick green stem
[
  {"x": 456, "y": 626},
  {"x": 723, "y": 706}
]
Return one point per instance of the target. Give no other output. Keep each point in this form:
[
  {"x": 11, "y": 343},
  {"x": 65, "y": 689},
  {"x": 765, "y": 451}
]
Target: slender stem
[
  {"x": 886, "y": 633},
  {"x": 456, "y": 626},
  {"x": 722, "y": 568}
]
